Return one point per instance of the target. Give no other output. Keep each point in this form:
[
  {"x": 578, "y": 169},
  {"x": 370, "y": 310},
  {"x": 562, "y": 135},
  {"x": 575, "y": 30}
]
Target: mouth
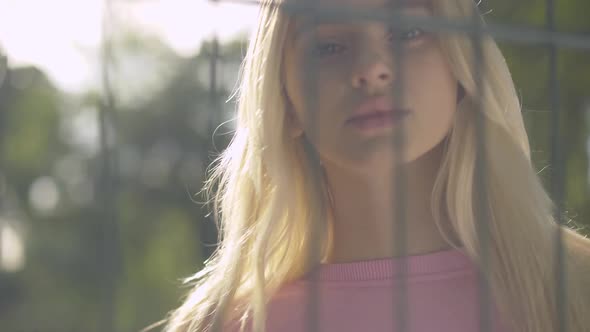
[
  {"x": 376, "y": 122},
  {"x": 378, "y": 114},
  {"x": 376, "y": 107}
]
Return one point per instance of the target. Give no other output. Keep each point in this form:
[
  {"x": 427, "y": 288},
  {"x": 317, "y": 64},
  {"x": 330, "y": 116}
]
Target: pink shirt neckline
[{"x": 451, "y": 260}]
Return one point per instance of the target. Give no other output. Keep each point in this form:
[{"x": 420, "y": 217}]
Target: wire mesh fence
[
  {"x": 315, "y": 12},
  {"x": 110, "y": 251}
]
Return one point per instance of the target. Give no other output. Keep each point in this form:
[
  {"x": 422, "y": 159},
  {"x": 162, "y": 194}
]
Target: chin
[
  {"x": 386, "y": 161},
  {"x": 378, "y": 157}
]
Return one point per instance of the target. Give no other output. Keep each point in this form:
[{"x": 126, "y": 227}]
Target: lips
[{"x": 375, "y": 107}]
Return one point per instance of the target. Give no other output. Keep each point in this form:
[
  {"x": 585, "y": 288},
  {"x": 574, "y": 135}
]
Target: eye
[
  {"x": 407, "y": 35},
  {"x": 412, "y": 34},
  {"x": 327, "y": 49}
]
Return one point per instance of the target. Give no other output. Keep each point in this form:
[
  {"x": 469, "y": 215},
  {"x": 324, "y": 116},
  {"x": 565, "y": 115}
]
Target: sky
[{"x": 63, "y": 37}]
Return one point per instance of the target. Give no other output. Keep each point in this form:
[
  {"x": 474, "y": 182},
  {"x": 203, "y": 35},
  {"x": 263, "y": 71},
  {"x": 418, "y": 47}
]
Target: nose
[{"x": 374, "y": 74}]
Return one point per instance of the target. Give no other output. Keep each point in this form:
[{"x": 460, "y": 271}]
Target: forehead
[
  {"x": 362, "y": 4},
  {"x": 366, "y": 5}
]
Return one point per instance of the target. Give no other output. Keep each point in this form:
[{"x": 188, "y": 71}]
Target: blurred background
[{"x": 110, "y": 112}]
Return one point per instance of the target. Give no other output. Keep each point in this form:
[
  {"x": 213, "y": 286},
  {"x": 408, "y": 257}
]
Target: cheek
[
  {"x": 432, "y": 94},
  {"x": 315, "y": 94},
  {"x": 434, "y": 87}
]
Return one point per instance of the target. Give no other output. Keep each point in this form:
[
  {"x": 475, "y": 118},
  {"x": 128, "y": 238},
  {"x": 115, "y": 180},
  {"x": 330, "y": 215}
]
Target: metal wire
[
  {"x": 309, "y": 19},
  {"x": 557, "y": 174},
  {"x": 209, "y": 229},
  {"x": 4, "y": 102},
  {"x": 110, "y": 251},
  {"x": 500, "y": 32},
  {"x": 481, "y": 199},
  {"x": 399, "y": 185}
]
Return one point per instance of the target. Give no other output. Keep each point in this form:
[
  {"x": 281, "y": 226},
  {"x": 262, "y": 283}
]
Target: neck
[{"x": 365, "y": 212}]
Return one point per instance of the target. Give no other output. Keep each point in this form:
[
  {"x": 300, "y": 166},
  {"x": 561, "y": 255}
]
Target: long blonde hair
[{"x": 268, "y": 197}]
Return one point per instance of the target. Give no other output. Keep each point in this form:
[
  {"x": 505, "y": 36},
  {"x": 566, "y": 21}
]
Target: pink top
[{"x": 442, "y": 296}]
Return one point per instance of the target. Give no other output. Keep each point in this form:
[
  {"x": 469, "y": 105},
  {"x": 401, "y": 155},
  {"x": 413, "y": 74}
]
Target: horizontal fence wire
[{"x": 500, "y": 32}]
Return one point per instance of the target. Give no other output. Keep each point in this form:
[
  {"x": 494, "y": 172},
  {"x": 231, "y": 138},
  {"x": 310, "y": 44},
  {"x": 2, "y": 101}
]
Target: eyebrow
[{"x": 303, "y": 29}]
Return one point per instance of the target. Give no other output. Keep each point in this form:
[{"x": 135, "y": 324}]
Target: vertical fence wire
[
  {"x": 4, "y": 102},
  {"x": 399, "y": 229},
  {"x": 557, "y": 174},
  {"x": 308, "y": 22},
  {"x": 109, "y": 251},
  {"x": 481, "y": 199},
  {"x": 208, "y": 229}
]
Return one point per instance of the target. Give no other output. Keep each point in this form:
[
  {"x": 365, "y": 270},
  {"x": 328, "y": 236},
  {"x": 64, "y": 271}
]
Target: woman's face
[{"x": 337, "y": 70}]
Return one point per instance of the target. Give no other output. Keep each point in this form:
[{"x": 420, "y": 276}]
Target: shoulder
[
  {"x": 578, "y": 247},
  {"x": 284, "y": 310},
  {"x": 578, "y": 254}
]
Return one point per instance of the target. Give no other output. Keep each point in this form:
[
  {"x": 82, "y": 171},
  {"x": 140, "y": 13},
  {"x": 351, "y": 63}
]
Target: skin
[{"x": 348, "y": 63}]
